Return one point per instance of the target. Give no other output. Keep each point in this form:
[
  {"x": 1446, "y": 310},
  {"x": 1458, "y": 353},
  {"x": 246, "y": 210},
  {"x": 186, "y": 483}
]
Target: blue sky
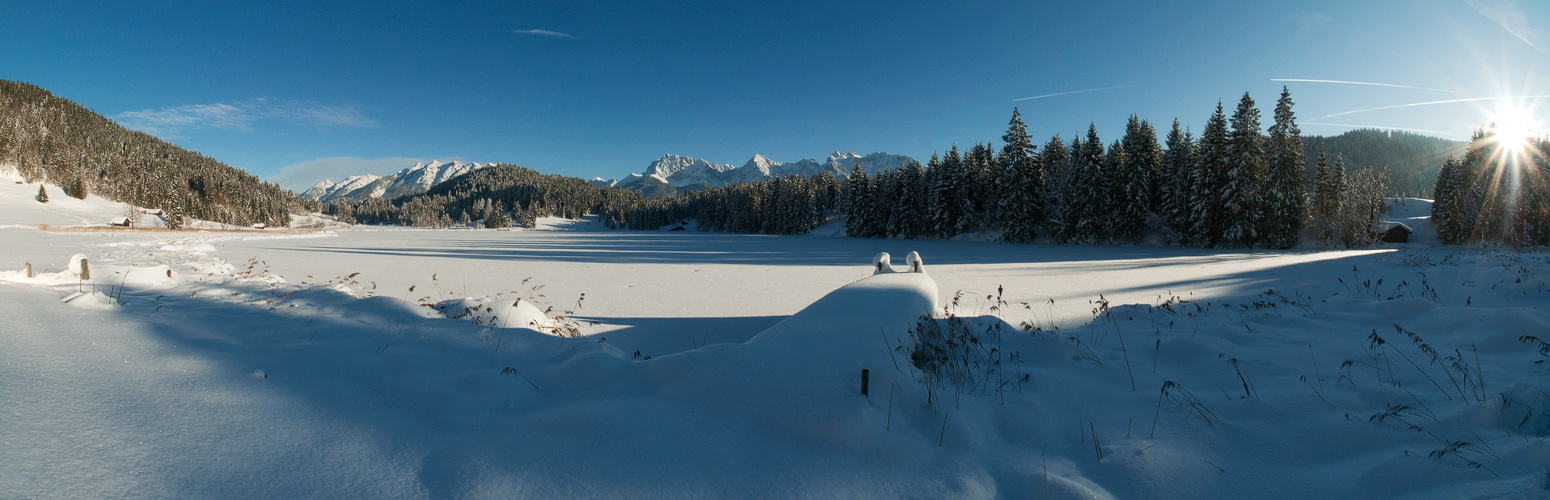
[{"x": 298, "y": 91}]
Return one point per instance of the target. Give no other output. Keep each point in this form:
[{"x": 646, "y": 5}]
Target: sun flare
[{"x": 1514, "y": 126}]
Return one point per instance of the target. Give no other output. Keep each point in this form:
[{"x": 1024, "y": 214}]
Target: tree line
[
  {"x": 1235, "y": 186},
  {"x": 57, "y": 141},
  {"x": 1497, "y": 192}
]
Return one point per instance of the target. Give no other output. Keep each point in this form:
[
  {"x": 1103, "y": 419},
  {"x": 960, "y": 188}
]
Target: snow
[{"x": 341, "y": 364}]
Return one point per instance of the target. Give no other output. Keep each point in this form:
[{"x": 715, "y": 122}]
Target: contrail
[
  {"x": 1343, "y": 82},
  {"x": 1429, "y": 103},
  {"x": 1074, "y": 92},
  {"x": 1385, "y": 128}
]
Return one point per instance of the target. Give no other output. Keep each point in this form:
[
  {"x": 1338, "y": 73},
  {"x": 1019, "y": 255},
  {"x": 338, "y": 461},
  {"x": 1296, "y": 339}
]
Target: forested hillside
[
  {"x": 55, "y": 140},
  {"x": 1410, "y": 159}
]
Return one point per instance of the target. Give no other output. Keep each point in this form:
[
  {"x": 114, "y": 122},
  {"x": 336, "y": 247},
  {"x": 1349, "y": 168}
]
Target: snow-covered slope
[
  {"x": 19, "y": 206},
  {"x": 412, "y": 180}
]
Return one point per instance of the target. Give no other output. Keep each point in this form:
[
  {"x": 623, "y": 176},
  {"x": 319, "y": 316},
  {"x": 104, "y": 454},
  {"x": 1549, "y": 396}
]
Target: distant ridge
[
  {"x": 412, "y": 180},
  {"x": 672, "y": 173}
]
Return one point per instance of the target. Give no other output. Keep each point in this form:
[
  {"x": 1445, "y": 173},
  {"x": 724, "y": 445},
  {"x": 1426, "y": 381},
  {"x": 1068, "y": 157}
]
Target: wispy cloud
[
  {"x": 1432, "y": 103},
  {"x": 1347, "y": 125},
  {"x": 1374, "y": 84},
  {"x": 1511, "y": 17},
  {"x": 546, "y": 33},
  {"x": 241, "y": 116},
  {"x": 1311, "y": 19},
  {"x": 1074, "y": 92}
]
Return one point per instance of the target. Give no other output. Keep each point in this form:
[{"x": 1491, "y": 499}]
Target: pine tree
[
  {"x": 1112, "y": 199},
  {"x": 910, "y": 200},
  {"x": 77, "y": 188},
  {"x": 1020, "y": 183},
  {"x": 952, "y": 195},
  {"x": 1092, "y": 193},
  {"x": 859, "y": 194},
  {"x": 1288, "y": 167},
  {"x": 496, "y": 218},
  {"x": 1446, "y": 203},
  {"x": 1321, "y": 196},
  {"x": 1243, "y": 194},
  {"x": 1058, "y": 194},
  {"x": 1337, "y": 184},
  {"x": 1174, "y": 185},
  {"x": 981, "y": 169},
  {"x": 1136, "y": 173},
  {"x": 1207, "y": 218},
  {"x": 42, "y": 196}
]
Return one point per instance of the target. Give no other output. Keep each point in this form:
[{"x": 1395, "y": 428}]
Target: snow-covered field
[{"x": 314, "y": 365}]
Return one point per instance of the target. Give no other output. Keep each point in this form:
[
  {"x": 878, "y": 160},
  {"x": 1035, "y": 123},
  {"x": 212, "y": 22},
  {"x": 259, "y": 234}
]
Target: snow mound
[
  {"x": 89, "y": 299},
  {"x": 78, "y": 265},
  {"x": 498, "y": 312}
]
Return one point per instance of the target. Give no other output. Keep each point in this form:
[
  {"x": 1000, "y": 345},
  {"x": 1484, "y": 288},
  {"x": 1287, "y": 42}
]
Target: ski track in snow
[{"x": 254, "y": 365}]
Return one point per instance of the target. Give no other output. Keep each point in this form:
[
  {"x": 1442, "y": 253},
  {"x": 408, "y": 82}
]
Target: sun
[{"x": 1514, "y": 127}]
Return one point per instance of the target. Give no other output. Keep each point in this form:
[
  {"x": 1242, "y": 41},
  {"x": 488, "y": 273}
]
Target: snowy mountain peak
[
  {"x": 412, "y": 180},
  {"x": 683, "y": 170},
  {"x": 318, "y": 190},
  {"x": 842, "y": 158},
  {"x": 761, "y": 164}
]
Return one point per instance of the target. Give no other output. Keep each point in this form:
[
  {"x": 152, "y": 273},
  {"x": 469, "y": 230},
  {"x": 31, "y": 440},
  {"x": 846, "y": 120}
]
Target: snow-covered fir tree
[
  {"x": 859, "y": 189},
  {"x": 912, "y": 201},
  {"x": 496, "y": 218},
  {"x": 951, "y": 193},
  {"x": 1021, "y": 184},
  {"x": 1322, "y": 201},
  {"x": 1447, "y": 202},
  {"x": 1140, "y": 163},
  {"x": 1287, "y": 179},
  {"x": 1091, "y": 203},
  {"x": 1244, "y": 194},
  {"x": 1207, "y": 218},
  {"x": 1174, "y": 183},
  {"x": 1112, "y": 202},
  {"x": 1058, "y": 194},
  {"x": 981, "y": 169}
]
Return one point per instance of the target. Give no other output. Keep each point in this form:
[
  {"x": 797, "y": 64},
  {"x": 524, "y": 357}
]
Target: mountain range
[
  {"x": 413, "y": 180},
  {"x": 672, "y": 173}
]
